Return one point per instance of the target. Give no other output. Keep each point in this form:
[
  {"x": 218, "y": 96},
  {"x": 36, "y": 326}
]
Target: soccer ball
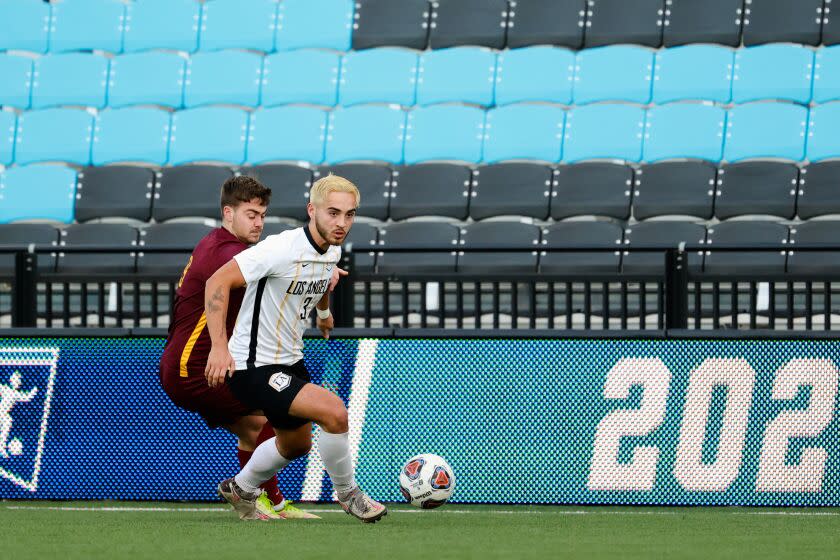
[{"x": 427, "y": 481}]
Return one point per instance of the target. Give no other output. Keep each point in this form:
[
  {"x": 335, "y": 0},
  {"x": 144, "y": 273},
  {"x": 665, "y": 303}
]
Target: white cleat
[
  {"x": 361, "y": 506},
  {"x": 249, "y": 506}
]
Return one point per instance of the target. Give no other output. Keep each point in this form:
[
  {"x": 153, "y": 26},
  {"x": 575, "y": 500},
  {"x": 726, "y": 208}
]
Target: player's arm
[
  {"x": 216, "y": 298},
  {"x": 326, "y": 324}
]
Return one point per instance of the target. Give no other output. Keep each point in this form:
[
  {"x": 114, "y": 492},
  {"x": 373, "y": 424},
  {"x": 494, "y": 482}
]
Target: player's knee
[{"x": 336, "y": 420}]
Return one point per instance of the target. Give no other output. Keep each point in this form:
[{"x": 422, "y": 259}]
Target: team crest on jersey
[
  {"x": 27, "y": 378},
  {"x": 440, "y": 479},
  {"x": 412, "y": 469}
]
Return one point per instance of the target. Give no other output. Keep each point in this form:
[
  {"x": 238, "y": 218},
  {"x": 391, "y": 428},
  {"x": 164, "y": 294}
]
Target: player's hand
[
  {"x": 337, "y": 273},
  {"x": 220, "y": 365},
  {"x": 326, "y": 325}
]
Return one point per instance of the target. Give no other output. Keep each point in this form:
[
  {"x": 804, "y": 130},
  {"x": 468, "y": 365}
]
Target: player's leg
[{"x": 251, "y": 431}]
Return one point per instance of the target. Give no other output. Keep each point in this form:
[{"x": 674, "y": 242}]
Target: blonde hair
[{"x": 329, "y": 184}]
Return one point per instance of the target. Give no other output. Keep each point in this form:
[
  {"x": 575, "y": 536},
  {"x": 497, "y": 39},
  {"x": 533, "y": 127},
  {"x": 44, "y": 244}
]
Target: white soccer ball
[{"x": 427, "y": 481}]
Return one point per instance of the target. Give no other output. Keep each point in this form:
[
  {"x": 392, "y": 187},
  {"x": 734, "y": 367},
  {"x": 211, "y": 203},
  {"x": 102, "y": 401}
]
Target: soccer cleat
[
  {"x": 361, "y": 506},
  {"x": 289, "y": 511},
  {"x": 247, "y": 505}
]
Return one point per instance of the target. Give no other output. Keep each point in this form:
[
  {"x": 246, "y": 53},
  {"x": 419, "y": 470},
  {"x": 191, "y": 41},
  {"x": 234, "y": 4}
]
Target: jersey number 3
[{"x": 304, "y": 311}]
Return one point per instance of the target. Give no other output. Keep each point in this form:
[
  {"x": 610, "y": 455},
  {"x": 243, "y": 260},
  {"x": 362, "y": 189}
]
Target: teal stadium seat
[
  {"x": 823, "y": 137},
  {"x": 223, "y": 77},
  {"x": 524, "y": 131},
  {"x": 684, "y": 130},
  {"x": 323, "y": 24},
  {"x": 70, "y": 79},
  {"x": 315, "y": 79},
  {"x": 444, "y": 132},
  {"x": 366, "y": 132},
  {"x": 54, "y": 135},
  {"x": 693, "y": 72},
  {"x": 37, "y": 192},
  {"x": 460, "y": 74},
  {"x": 773, "y": 72},
  {"x": 8, "y": 126},
  {"x": 238, "y": 24},
  {"x": 216, "y": 134},
  {"x": 766, "y": 130},
  {"x": 616, "y": 73},
  {"x": 535, "y": 74},
  {"x": 287, "y": 134},
  {"x": 148, "y": 78},
  {"x": 162, "y": 24},
  {"x": 384, "y": 75},
  {"x": 586, "y": 136},
  {"x": 16, "y": 84},
  {"x": 827, "y": 75},
  {"x": 24, "y": 25},
  {"x": 134, "y": 134},
  {"x": 83, "y": 25}
]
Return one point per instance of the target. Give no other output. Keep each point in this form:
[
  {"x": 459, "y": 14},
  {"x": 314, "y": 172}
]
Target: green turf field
[{"x": 64, "y": 530}]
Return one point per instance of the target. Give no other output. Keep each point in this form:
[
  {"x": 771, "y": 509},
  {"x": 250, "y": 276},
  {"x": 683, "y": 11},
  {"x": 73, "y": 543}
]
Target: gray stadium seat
[
  {"x": 418, "y": 234},
  {"x": 168, "y": 235},
  {"x": 468, "y": 22},
  {"x": 123, "y": 191},
  {"x": 24, "y": 234},
  {"x": 619, "y": 21},
  {"x": 782, "y": 21},
  {"x": 433, "y": 189},
  {"x": 522, "y": 189},
  {"x": 112, "y": 235},
  {"x": 709, "y": 21},
  {"x": 819, "y": 190},
  {"x": 546, "y": 22},
  {"x": 189, "y": 190},
  {"x": 678, "y": 187},
  {"x": 660, "y": 234},
  {"x": 495, "y": 235},
  {"x": 756, "y": 188},
  {"x": 601, "y": 189},
  {"x": 749, "y": 233},
  {"x": 581, "y": 234},
  {"x": 816, "y": 232},
  {"x": 830, "y": 26},
  {"x": 364, "y": 238},
  {"x": 382, "y": 23},
  {"x": 373, "y": 181},
  {"x": 289, "y": 186}
]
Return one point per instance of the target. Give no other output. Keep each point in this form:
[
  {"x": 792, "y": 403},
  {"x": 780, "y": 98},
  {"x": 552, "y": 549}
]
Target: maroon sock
[{"x": 270, "y": 486}]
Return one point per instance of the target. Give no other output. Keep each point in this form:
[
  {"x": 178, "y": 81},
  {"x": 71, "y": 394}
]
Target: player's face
[
  {"x": 334, "y": 218},
  {"x": 248, "y": 221}
]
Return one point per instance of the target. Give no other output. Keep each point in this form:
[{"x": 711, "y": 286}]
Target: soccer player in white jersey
[{"x": 286, "y": 275}]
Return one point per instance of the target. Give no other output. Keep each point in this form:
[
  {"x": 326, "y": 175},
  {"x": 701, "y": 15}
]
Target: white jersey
[{"x": 286, "y": 275}]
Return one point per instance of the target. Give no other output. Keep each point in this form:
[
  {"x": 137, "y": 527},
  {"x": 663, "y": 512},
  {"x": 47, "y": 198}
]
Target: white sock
[
  {"x": 264, "y": 463},
  {"x": 335, "y": 452}
]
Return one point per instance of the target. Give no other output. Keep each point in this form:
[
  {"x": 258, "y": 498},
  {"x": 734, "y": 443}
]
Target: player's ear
[{"x": 310, "y": 210}]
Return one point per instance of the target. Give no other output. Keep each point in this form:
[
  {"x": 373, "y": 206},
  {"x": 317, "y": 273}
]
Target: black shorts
[{"x": 272, "y": 389}]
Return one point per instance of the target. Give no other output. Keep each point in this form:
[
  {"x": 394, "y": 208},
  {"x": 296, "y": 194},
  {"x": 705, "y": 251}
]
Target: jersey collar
[{"x": 312, "y": 241}]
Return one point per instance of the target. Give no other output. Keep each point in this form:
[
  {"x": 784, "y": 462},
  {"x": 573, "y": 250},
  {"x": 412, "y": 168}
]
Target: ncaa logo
[
  {"x": 27, "y": 378},
  {"x": 412, "y": 469}
]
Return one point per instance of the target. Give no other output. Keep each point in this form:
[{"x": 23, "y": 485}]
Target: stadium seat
[
  {"x": 524, "y": 131},
  {"x": 827, "y": 74},
  {"x": 362, "y": 237},
  {"x": 749, "y": 233},
  {"x": 322, "y": 24},
  {"x": 442, "y": 132},
  {"x": 149, "y": 78},
  {"x": 37, "y": 192},
  {"x": 223, "y": 77},
  {"x": 16, "y": 84},
  {"x": 287, "y": 133},
  {"x": 289, "y": 186},
  {"x": 380, "y": 23},
  {"x": 24, "y": 234},
  {"x": 189, "y": 190},
  {"x": 418, "y": 234},
  {"x": 684, "y": 188},
  {"x": 773, "y": 72},
  {"x": 24, "y": 25},
  {"x": 823, "y": 140},
  {"x": 168, "y": 235},
  {"x": 658, "y": 234},
  {"x": 495, "y": 235},
  {"x": 373, "y": 181},
  {"x": 8, "y": 126},
  {"x": 759, "y": 187},
  {"x": 238, "y": 24},
  {"x": 134, "y": 134},
  {"x": 696, "y": 72},
  {"x": 819, "y": 192},
  {"x": 600, "y": 189},
  {"x": 208, "y": 134},
  {"x": 585, "y": 138},
  {"x": 766, "y": 130},
  {"x": 463, "y": 74},
  {"x": 70, "y": 79},
  {"x": 304, "y": 76},
  {"x": 111, "y": 235},
  {"x": 54, "y": 135},
  {"x": 709, "y": 21},
  {"x": 561, "y": 235},
  {"x": 830, "y": 26},
  {"x": 366, "y": 132},
  {"x": 123, "y": 191},
  {"x": 817, "y": 232},
  {"x": 535, "y": 74},
  {"x": 430, "y": 189},
  {"x": 782, "y": 21},
  {"x": 162, "y": 24},
  {"x": 617, "y": 73},
  {"x": 383, "y": 75},
  {"x": 546, "y": 22},
  {"x": 522, "y": 189},
  {"x": 619, "y": 21},
  {"x": 683, "y": 130},
  {"x": 80, "y": 25},
  {"x": 468, "y": 22}
]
